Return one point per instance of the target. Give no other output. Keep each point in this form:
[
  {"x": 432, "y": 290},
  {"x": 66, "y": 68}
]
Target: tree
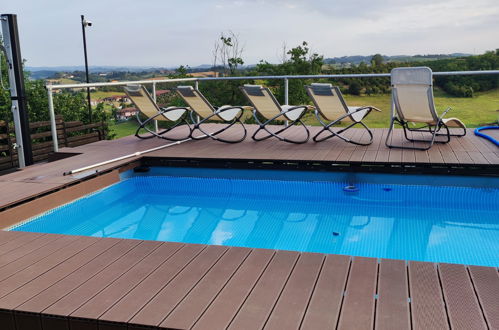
[
  {"x": 377, "y": 60},
  {"x": 227, "y": 53}
]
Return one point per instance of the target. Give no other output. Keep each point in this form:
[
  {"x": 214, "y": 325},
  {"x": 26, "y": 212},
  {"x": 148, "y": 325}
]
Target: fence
[
  {"x": 69, "y": 134},
  {"x": 285, "y": 78}
]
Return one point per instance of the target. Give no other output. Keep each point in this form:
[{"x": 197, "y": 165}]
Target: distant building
[{"x": 126, "y": 113}]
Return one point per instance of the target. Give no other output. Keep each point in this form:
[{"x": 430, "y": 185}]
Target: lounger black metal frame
[
  {"x": 142, "y": 125},
  {"x": 291, "y": 123},
  {"x": 432, "y": 129},
  {"x": 161, "y": 112},
  {"x": 327, "y": 127},
  {"x": 216, "y": 112}
]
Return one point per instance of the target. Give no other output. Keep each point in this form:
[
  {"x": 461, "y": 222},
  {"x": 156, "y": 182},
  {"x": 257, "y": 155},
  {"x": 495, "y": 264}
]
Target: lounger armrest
[
  {"x": 225, "y": 108},
  {"x": 173, "y": 108}
]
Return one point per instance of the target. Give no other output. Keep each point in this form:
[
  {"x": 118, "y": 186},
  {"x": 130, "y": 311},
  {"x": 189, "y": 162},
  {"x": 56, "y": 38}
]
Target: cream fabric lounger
[{"x": 412, "y": 102}]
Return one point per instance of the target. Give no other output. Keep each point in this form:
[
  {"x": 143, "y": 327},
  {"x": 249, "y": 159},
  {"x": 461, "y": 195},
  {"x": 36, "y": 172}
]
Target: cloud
[{"x": 171, "y": 33}]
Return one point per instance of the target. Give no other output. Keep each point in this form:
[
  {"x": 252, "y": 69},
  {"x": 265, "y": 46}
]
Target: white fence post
[
  {"x": 53, "y": 126},
  {"x": 286, "y": 94},
  {"x": 154, "y": 99}
]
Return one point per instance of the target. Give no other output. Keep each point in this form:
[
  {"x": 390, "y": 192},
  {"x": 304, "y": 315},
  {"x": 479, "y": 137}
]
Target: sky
[{"x": 169, "y": 33}]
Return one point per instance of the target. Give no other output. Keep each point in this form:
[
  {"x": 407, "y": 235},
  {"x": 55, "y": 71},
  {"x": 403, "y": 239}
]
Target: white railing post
[
  {"x": 196, "y": 86},
  {"x": 154, "y": 99},
  {"x": 286, "y": 94},
  {"x": 53, "y": 126}
]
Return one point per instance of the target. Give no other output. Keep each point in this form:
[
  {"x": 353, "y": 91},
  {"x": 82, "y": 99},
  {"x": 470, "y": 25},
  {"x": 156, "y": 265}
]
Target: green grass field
[
  {"x": 99, "y": 95},
  {"x": 474, "y": 112}
]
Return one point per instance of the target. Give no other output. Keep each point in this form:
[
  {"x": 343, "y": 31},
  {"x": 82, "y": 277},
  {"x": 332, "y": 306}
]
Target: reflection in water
[{"x": 410, "y": 225}]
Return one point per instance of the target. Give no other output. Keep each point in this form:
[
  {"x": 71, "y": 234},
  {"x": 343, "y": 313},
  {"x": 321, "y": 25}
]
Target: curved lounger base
[
  {"x": 328, "y": 128},
  {"x": 263, "y": 127},
  {"x": 433, "y": 130},
  {"x": 161, "y": 134},
  {"x": 213, "y": 135}
]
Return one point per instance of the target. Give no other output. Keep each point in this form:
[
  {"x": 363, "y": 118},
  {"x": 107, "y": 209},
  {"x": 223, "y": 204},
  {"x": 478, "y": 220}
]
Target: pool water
[{"x": 409, "y": 222}]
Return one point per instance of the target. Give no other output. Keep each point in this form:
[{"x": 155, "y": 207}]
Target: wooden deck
[{"x": 71, "y": 282}]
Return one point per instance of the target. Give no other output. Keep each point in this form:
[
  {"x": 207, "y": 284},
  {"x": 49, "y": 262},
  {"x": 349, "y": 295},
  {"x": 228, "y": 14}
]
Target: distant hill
[{"x": 357, "y": 59}]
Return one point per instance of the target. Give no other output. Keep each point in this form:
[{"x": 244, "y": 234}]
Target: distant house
[
  {"x": 126, "y": 113},
  {"x": 163, "y": 91}
]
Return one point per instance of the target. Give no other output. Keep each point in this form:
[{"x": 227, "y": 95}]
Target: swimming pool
[{"x": 432, "y": 218}]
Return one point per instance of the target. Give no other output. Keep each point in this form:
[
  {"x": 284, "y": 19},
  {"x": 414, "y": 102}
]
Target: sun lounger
[
  {"x": 200, "y": 105},
  {"x": 330, "y": 106},
  {"x": 266, "y": 105},
  {"x": 412, "y": 102},
  {"x": 146, "y": 105}
]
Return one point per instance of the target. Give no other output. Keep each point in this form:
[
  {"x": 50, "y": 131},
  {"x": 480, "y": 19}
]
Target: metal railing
[{"x": 285, "y": 78}]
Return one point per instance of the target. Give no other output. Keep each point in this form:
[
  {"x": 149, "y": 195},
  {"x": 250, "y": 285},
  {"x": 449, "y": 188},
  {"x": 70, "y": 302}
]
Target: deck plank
[
  {"x": 292, "y": 304},
  {"x": 163, "y": 303},
  {"x": 53, "y": 275},
  {"x": 223, "y": 309},
  {"x": 462, "y": 305},
  {"x": 427, "y": 303},
  {"x": 47, "y": 297},
  {"x": 486, "y": 283},
  {"x": 392, "y": 308},
  {"x": 358, "y": 306},
  {"x": 114, "y": 292},
  {"x": 325, "y": 304},
  {"x": 37, "y": 267},
  {"x": 188, "y": 311},
  {"x": 259, "y": 304},
  {"x": 140, "y": 295}
]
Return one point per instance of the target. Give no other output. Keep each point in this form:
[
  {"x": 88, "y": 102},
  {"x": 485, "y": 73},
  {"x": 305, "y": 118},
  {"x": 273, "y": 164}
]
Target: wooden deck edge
[{"x": 42, "y": 204}]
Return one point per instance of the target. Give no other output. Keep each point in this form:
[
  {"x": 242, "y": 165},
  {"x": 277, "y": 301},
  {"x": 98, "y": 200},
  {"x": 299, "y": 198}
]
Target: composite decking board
[
  {"x": 222, "y": 310},
  {"x": 357, "y": 311},
  {"x": 114, "y": 292},
  {"x": 163, "y": 303},
  {"x": 477, "y": 157},
  {"x": 463, "y": 309},
  {"x": 392, "y": 307},
  {"x": 76, "y": 298},
  {"x": 259, "y": 304},
  {"x": 324, "y": 307},
  {"x": 486, "y": 283},
  {"x": 17, "y": 243},
  {"x": 31, "y": 258},
  {"x": 29, "y": 247},
  {"x": 139, "y": 296},
  {"x": 290, "y": 308},
  {"x": 39, "y": 267},
  {"x": 427, "y": 303},
  {"x": 55, "y": 274},
  {"x": 188, "y": 311},
  {"x": 67, "y": 284}
]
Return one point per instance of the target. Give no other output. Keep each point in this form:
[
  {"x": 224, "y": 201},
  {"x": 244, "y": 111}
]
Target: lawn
[
  {"x": 100, "y": 95},
  {"x": 474, "y": 112}
]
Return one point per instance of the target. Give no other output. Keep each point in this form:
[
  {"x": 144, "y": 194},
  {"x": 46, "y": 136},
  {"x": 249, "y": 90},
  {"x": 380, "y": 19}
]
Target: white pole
[
  {"x": 286, "y": 94},
  {"x": 196, "y": 86},
  {"x": 53, "y": 126},
  {"x": 154, "y": 99}
]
